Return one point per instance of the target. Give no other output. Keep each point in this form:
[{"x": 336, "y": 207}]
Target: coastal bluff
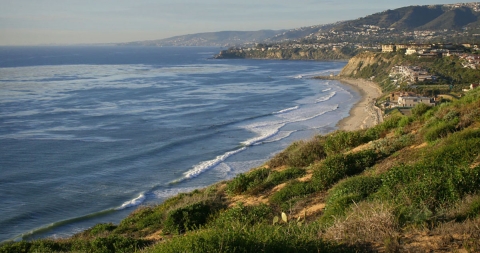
[{"x": 283, "y": 54}]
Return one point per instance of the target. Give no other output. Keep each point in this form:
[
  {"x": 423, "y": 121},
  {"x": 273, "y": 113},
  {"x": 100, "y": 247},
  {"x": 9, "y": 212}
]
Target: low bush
[
  {"x": 440, "y": 130},
  {"x": 294, "y": 190},
  {"x": 388, "y": 146},
  {"x": 257, "y": 238},
  {"x": 275, "y": 178},
  {"x": 342, "y": 140},
  {"x": 189, "y": 217},
  {"x": 421, "y": 189},
  {"x": 460, "y": 148},
  {"x": 362, "y": 186},
  {"x": 99, "y": 229},
  {"x": 420, "y": 109},
  {"x": 347, "y": 192},
  {"x": 404, "y": 121},
  {"x": 242, "y": 182},
  {"x": 245, "y": 215},
  {"x": 365, "y": 222},
  {"x": 260, "y": 180},
  {"x": 300, "y": 153},
  {"x": 337, "y": 167}
]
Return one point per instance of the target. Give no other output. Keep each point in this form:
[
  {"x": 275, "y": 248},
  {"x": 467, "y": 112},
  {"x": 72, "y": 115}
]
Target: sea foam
[
  {"x": 326, "y": 98},
  {"x": 287, "y": 110},
  {"x": 206, "y": 165},
  {"x": 134, "y": 202}
]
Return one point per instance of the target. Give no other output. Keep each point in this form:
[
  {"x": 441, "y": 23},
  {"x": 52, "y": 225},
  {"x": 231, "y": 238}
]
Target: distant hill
[
  {"x": 449, "y": 17},
  {"x": 224, "y": 38},
  {"x": 427, "y": 17},
  {"x": 302, "y": 32}
]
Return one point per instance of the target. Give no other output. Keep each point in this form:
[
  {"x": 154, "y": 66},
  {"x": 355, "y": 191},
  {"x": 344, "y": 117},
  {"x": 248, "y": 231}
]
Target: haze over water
[{"x": 90, "y": 133}]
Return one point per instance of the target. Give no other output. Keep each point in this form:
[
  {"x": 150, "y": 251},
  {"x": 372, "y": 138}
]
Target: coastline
[{"x": 364, "y": 114}]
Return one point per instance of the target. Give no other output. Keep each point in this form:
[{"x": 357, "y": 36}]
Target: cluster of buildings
[
  {"x": 295, "y": 45},
  {"x": 436, "y": 51},
  {"x": 411, "y": 74},
  {"x": 408, "y": 99},
  {"x": 470, "y": 61},
  {"x": 426, "y": 50}
]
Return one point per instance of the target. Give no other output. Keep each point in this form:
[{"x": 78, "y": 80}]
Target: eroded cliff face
[
  {"x": 359, "y": 62},
  {"x": 283, "y": 54}
]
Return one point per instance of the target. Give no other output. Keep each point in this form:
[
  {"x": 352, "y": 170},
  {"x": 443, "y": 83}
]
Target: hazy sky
[{"x": 29, "y": 22}]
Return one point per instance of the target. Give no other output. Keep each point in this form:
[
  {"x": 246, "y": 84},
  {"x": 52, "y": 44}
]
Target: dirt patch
[
  {"x": 157, "y": 236},
  {"x": 360, "y": 148},
  {"x": 311, "y": 210},
  {"x": 423, "y": 145},
  {"x": 248, "y": 200}
]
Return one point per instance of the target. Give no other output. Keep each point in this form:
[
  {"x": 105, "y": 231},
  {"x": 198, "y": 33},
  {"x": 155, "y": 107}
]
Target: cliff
[
  {"x": 367, "y": 64},
  {"x": 285, "y": 54}
]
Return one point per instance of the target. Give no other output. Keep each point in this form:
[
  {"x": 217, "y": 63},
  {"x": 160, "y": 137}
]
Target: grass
[
  {"x": 260, "y": 180},
  {"x": 257, "y": 238}
]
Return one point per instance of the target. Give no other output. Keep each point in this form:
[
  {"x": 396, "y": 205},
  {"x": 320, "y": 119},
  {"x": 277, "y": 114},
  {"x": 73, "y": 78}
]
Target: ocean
[{"x": 89, "y": 133}]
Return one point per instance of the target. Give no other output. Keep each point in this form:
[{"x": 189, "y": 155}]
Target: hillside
[
  {"x": 378, "y": 66},
  {"x": 410, "y": 184},
  {"x": 427, "y": 17},
  {"x": 448, "y": 21},
  {"x": 219, "y": 39}
]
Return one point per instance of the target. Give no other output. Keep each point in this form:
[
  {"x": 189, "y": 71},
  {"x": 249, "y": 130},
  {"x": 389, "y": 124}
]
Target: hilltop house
[
  {"x": 472, "y": 86},
  {"x": 388, "y": 48},
  {"x": 413, "y": 101},
  {"x": 394, "y": 96}
]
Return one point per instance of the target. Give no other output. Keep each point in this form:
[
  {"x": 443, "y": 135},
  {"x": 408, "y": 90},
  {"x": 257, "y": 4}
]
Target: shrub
[
  {"x": 404, "y": 121},
  {"x": 292, "y": 191},
  {"x": 440, "y": 130},
  {"x": 347, "y": 192},
  {"x": 189, "y": 217},
  {"x": 460, "y": 148},
  {"x": 260, "y": 180},
  {"x": 342, "y": 140},
  {"x": 365, "y": 222},
  {"x": 275, "y": 178},
  {"x": 243, "y": 182},
  {"x": 388, "y": 146},
  {"x": 427, "y": 186},
  {"x": 337, "y": 167},
  {"x": 420, "y": 109},
  {"x": 101, "y": 229},
  {"x": 245, "y": 215},
  {"x": 300, "y": 153},
  {"x": 359, "y": 185}
]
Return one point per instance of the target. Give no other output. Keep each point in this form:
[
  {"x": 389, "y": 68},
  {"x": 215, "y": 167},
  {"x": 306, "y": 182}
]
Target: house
[
  {"x": 388, "y": 48},
  {"x": 413, "y": 101},
  {"x": 394, "y": 96},
  {"x": 411, "y": 51}
]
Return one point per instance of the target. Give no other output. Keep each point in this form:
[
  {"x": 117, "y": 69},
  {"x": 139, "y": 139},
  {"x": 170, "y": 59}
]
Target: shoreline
[{"x": 364, "y": 114}]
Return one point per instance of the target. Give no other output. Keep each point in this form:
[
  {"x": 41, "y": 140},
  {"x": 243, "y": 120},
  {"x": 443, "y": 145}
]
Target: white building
[{"x": 413, "y": 101}]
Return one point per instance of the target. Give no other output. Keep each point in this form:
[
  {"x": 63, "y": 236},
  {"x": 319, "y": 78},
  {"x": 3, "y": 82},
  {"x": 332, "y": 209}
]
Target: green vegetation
[{"x": 261, "y": 180}]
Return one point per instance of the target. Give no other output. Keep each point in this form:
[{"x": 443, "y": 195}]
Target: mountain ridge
[{"x": 455, "y": 17}]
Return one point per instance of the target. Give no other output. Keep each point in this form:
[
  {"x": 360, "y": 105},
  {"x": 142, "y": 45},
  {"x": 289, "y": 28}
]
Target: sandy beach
[{"x": 364, "y": 113}]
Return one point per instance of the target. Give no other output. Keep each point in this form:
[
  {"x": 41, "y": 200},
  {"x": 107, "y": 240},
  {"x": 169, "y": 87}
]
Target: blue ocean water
[{"x": 90, "y": 133}]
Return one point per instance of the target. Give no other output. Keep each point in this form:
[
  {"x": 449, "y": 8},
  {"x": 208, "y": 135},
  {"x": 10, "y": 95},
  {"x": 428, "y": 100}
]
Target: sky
[{"x": 40, "y": 22}]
